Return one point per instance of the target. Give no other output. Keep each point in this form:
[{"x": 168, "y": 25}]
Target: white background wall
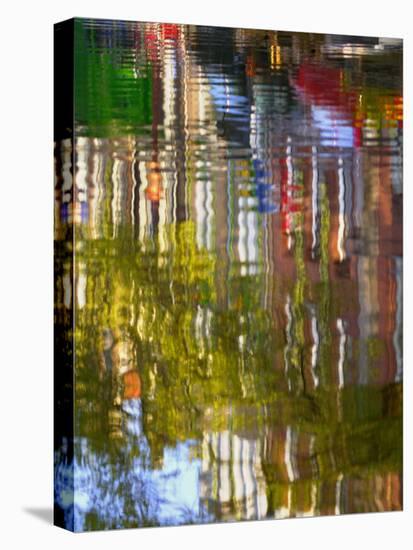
[{"x": 26, "y": 270}]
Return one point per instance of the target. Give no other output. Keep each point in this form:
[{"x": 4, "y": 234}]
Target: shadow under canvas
[{"x": 44, "y": 514}]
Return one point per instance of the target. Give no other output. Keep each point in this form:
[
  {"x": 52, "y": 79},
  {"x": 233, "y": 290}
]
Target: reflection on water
[{"x": 236, "y": 206}]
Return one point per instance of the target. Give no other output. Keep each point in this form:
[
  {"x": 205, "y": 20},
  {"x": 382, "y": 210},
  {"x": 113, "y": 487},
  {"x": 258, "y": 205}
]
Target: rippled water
[{"x": 236, "y": 291}]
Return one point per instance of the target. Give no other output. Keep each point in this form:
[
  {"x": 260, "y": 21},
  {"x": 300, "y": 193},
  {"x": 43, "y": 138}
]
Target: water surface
[{"x": 234, "y": 201}]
